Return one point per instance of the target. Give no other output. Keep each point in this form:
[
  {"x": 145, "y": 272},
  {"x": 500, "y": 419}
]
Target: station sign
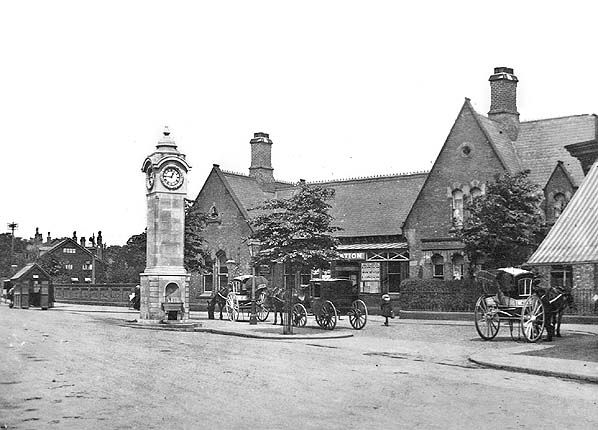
[{"x": 353, "y": 255}]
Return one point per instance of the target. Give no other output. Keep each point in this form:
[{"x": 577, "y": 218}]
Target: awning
[{"x": 364, "y": 246}]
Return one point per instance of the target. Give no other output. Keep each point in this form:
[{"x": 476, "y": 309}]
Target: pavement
[{"x": 511, "y": 359}]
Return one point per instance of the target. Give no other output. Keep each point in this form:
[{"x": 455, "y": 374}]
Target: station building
[
  {"x": 369, "y": 210},
  {"x": 404, "y": 225}
]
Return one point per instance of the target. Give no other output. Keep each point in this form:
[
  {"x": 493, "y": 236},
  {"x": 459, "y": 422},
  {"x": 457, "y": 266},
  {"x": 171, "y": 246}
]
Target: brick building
[
  {"x": 75, "y": 260},
  {"x": 400, "y": 226},
  {"x": 370, "y": 212},
  {"x": 477, "y": 148}
]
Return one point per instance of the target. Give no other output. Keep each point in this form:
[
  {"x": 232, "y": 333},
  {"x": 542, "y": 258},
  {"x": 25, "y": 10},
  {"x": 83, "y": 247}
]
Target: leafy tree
[
  {"x": 506, "y": 224},
  {"x": 196, "y": 254},
  {"x": 6, "y": 259},
  {"x": 297, "y": 230},
  {"x": 125, "y": 263}
]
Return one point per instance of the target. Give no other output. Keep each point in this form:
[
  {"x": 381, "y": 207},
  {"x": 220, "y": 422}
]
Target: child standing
[{"x": 386, "y": 308}]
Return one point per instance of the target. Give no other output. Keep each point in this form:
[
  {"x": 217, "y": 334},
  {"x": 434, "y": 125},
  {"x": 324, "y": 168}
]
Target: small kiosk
[{"x": 32, "y": 286}]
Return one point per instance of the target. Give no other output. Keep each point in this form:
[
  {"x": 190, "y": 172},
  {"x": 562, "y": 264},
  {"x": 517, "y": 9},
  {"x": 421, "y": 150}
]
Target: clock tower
[{"x": 165, "y": 282}]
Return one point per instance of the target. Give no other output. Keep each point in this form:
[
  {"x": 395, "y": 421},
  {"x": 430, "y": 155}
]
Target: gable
[{"x": 466, "y": 160}]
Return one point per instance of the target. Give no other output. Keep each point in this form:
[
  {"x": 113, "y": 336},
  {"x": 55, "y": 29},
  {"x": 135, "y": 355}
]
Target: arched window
[
  {"x": 438, "y": 266},
  {"x": 221, "y": 269},
  {"x": 457, "y": 208},
  {"x": 458, "y": 266},
  {"x": 559, "y": 204}
]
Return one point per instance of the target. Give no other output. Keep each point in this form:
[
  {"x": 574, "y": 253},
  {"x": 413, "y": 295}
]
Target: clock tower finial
[{"x": 165, "y": 282}]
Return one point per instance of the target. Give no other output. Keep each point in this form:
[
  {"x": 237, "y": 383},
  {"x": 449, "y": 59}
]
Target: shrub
[{"x": 437, "y": 295}]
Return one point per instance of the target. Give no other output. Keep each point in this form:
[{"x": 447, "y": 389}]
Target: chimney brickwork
[
  {"x": 261, "y": 158},
  {"x": 503, "y": 100}
]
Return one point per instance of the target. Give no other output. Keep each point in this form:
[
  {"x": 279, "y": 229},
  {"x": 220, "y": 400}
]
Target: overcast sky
[{"x": 345, "y": 89}]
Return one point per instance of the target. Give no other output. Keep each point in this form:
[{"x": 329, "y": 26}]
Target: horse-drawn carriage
[
  {"x": 512, "y": 295},
  {"x": 238, "y": 299},
  {"x": 326, "y": 299}
]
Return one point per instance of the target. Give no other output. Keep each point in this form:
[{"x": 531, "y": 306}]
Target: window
[
  {"x": 438, "y": 266},
  {"x": 458, "y": 266},
  {"x": 87, "y": 266},
  {"x": 561, "y": 276},
  {"x": 457, "y": 208},
  {"x": 68, "y": 266},
  {"x": 69, "y": 250},
  {"x": 221, "y": 269},
  {"x": 525, "y": 286},
  {"x": 208, "y": 281},
  {"x": 559, "y": 204}
]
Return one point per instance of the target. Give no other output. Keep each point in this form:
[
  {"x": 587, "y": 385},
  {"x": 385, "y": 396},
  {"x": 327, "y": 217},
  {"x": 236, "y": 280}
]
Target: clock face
[
  {"x": 172, "y": 177},
  {"x": 149, "y": 179}
]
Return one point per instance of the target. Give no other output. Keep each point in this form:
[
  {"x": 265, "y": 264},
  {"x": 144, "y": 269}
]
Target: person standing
[{"x": 386, "y": 308}]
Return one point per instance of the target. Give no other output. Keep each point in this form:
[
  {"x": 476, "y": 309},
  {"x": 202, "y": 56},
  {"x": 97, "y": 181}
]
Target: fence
[{"x": 94, "y": 294}]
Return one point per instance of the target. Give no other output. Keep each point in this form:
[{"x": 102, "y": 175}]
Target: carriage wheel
[
  {"x": 232, "y": 307},
  {"x": 532, "y": 319},
  {"x": 327, "y": 316},
  {"x": 358, "y": 315},
  {"x": 262, "y": 309},
  {"x": 299, "y": 315},
  {"x": 487, "y": 321}
]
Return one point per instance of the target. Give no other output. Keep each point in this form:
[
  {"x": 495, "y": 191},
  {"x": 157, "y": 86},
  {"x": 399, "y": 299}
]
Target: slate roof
[
  {"x": 574, "y": 236},
  {"x": 370, "y": 206},
  {"x": 541, "y": 144}
]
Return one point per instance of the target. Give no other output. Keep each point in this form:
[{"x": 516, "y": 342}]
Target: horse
[
  {"x": 218, "y": 299},
  {"x": 276, "y": 302},
  {"x": 556, "y": 300}
]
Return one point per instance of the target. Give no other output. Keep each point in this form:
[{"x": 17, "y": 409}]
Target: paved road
[{"x": 67, "y": 369}]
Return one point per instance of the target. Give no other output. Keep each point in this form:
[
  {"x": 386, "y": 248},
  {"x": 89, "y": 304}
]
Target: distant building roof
[{"x": 574, "y": 236}]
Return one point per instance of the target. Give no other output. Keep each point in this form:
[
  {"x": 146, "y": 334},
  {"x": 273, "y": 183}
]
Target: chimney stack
[
  {"x": 49, "y": 239},
  {"x": 503, "y": 100},
  {"x": 261, "y": 158}
]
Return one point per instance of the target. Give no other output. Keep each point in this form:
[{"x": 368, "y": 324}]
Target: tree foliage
[
  {"x": 196, "y": 254},
  {"x": 297, "y": 230},
  {"x": 505, "y": 224},
  {"x": 6, "y": 259}
]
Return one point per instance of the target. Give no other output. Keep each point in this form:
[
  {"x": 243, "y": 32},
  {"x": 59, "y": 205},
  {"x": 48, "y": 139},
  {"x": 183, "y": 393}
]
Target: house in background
[
  {"x": 477, "y": 148},
  {"x": 69, "y": 260},
  {"x": 369, "y": 210}
]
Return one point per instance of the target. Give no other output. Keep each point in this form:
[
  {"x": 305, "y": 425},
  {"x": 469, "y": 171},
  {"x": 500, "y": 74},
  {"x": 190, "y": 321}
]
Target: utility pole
[{"x": 12, "y": 226}]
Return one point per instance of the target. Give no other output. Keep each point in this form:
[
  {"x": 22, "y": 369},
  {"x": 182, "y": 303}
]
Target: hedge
[{"x": 437, "y": 295}]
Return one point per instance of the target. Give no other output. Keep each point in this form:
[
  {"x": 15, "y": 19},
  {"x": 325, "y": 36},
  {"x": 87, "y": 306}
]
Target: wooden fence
[{"x": 94, "y": 294}]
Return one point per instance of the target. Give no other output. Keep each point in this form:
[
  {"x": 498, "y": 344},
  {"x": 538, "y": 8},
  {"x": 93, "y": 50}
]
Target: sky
[{"x": 344, "y": 88}]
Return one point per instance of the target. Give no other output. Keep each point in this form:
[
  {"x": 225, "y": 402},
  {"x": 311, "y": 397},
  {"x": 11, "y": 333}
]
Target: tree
[
  {"x": 10, "y": 256},
  {"x": 505, "y": 224},
  {"x": 125, "y": 263},
  {"x": 297, "y": 230},
  {"x": 196, "y": 254}
]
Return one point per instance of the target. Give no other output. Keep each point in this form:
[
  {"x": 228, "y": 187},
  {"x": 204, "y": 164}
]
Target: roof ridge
[
  {"x": 557, "y": 117},
  {"x": 230, "y": 172},
  {"x": 363, "y": 178}
]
